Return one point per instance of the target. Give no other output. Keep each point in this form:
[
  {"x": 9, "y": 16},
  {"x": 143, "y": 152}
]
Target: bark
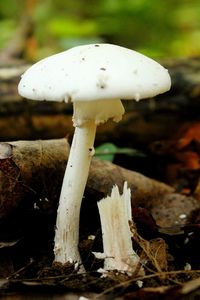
[
  {"x": 31, "y": 174},
  {"x": 145, "y": 121}
]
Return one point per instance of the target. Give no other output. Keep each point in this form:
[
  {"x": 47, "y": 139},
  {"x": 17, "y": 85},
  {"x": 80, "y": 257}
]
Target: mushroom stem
[{"x": 68, "y": 214}]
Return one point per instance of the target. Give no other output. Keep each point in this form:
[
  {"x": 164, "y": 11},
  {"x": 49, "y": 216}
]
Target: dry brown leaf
[{"x": 155, "y": 251}]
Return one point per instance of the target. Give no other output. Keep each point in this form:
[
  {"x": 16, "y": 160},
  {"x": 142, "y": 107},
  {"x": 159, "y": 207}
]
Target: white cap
[{"x": 95, "y": 72}]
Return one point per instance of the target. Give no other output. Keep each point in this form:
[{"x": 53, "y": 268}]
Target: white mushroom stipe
[
  {"x": 67, "y": 235},
  {"x": 94, "y": 78},
  {"x": 115, "y": 214}
]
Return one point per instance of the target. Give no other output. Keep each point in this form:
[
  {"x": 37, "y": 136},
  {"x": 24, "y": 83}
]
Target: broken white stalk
[{"x": 115, "y": 214}]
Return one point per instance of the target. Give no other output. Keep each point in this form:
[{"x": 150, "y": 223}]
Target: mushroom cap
[{"x": 94, "y": 72}]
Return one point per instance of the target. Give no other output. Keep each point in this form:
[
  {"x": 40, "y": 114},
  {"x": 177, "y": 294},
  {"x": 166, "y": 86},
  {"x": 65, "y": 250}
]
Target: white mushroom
[{"x": 94, "y": 78}]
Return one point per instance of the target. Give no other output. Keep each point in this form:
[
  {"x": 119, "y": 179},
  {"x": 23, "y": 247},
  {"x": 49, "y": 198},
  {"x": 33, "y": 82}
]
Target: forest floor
[{"x": 170, "y": 256}]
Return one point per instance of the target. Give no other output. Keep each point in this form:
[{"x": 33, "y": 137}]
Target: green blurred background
[{"x": 158, "y": 28}]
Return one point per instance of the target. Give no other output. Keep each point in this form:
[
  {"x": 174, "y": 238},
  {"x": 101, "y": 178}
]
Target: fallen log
[{"x": 31, "y": 174}]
